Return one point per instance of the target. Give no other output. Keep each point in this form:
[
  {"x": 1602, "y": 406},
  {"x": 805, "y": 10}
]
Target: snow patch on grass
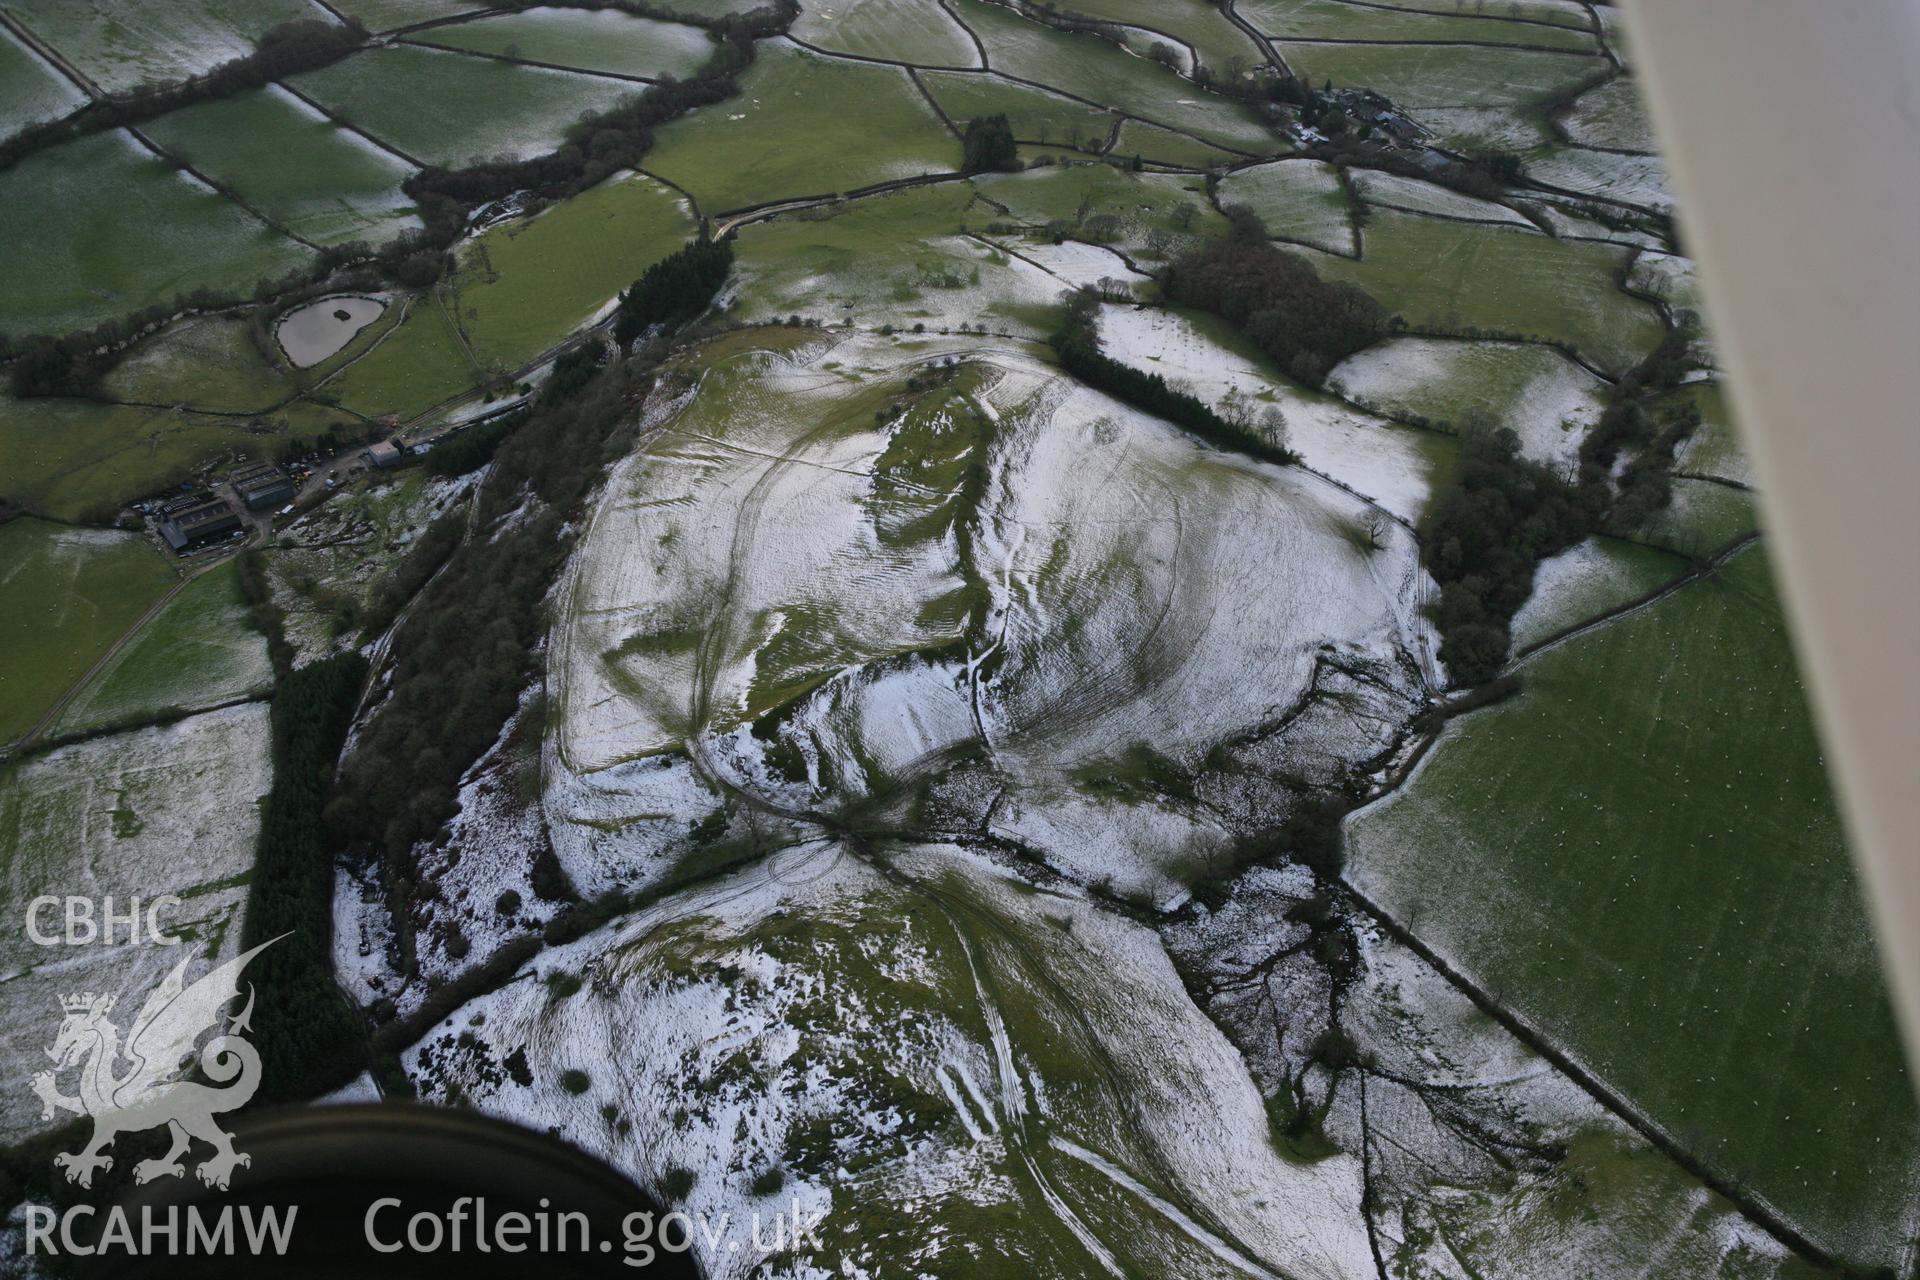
[{"x": 170, "y": 810}]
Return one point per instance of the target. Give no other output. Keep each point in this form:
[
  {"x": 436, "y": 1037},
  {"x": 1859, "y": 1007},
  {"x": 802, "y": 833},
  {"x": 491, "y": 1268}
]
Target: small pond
[{"x": 311, "y": 333}]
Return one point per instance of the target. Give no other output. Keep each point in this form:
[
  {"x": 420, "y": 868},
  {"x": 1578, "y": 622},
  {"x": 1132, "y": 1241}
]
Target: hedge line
[{"x": 1077, "y": 345}]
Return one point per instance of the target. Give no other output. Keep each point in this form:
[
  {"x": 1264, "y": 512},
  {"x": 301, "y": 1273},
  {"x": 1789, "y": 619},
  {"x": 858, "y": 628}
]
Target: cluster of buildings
[
  {"x": 219, "y": 512},
  {"x": 202, "y": 519},
  {"x": 1376, "y": 116}
]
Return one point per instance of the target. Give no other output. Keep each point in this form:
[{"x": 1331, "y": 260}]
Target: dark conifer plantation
[
  {"x": 1304, "y": 323},
  {"x": 989, "y": 146},
  {"x": 310, "y": 1040},
  {"x": 675, "y": 288},
  {"x": 1484, "y": 537}
]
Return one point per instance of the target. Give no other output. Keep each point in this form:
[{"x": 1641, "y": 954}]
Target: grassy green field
[
  {"x": 1611, "y": 116},
  {"x": 418, "y": 364},
  {"x": 385, "y": 15},
  {"x": 1715, "y": 449},
  {"x": 1140, "y": 203},
  {"x": 1299, "y": 200},
  {"x": 1641, "y": 854},
  {"x": 450, "y": 108},
  {"x": 916, "y": 31},
  {"x": 1450, "y": 276},
  {"x": 82, "y": 460},
  {"x": 1586, "y": 581},
  {"x": 1564, "y": 13},
  {"x": 1035, "y": 114},
  {"x": 590, "y": 39},
  {"x": 211, "y": 362},
  {"x": 1703, "y": 519},
  {"x": 803, "y": 125},
  {"x": 895, "y": 259},
  {"x": 1095, "y": 69},
  {"x": 1151, "y": 142},
  {"x": 1459, "y": 91},
  {"x": 1333, "y": 20},
  {"x": 74, "y": 259},
  {"x": 30, "y": 90},
  {"x": 322, "y": 182},
  {"x": 199, "y": 650},
  {"x": 524, "y": 285},
  {"x": 1199, "y": 24},
  {"x": 1537, "y": 392},
  {"x": 207, "y": 362},
  {"x": 120, "y": 46},
  {"x": 65, "y": 596}
]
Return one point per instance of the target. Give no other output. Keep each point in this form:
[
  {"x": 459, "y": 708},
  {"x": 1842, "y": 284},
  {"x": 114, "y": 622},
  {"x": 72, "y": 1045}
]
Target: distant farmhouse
[
  {"x": 261, "y": 486},
  {"x": 194, "y": 522}
]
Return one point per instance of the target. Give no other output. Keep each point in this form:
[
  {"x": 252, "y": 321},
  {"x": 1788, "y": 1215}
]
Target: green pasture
[
  {"x": 76, "y": 256},
  {"x": 1299, "y": 200},
  {"x": 589, "y": 39},
  {"x": 30, "y": 90},
  {"x": 452, "y": 108},
  {"x": 420, "y": 363},
  {"x": 320, "y": 181},
  {"x": 525, "y": 285},
  {"x": 1641, "y": 855},
  {"x": 1035, "y": 115},
  {"x": 1092, "y": 68},
  {"x": 1449, "y": 277},
  {"x": 66, "y": 595},
  {"x": 803, "y": 125},
  {"x": 197, "y": 651}
]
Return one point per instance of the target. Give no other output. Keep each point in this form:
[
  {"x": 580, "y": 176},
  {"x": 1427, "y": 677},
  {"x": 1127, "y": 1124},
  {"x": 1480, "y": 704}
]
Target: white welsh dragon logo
[{"x": 153, "y": 1090}]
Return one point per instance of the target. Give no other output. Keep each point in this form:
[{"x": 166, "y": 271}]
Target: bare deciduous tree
[{"x": 1273, "y": 427}]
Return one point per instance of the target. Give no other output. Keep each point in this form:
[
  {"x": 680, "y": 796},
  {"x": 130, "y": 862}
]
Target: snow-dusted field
[
  {"x": 1572, "y": 226},
  {"x": 791, "y": 541},
  {"x": 921, "y": 31},
  {"x": 1611, "y": 116},
  {"x": 934, "y": 282},
  {"x": 1299, "y": 200},
  {"x": 151, "y": 812},
  {"x": 1545, "y": 398},
  {"x": 1398, "y": 192},
  {"x": 1585, "y": 581},
  {"x": 1459, "y": 1119},
  {"x": 1666, "y": 276},
  {"x": 944, "y": 1059},
  {"x": 1393, "y": 465},
  {"x": 1078, "y": 265},
  {"x": 1635, "y": 179}
]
